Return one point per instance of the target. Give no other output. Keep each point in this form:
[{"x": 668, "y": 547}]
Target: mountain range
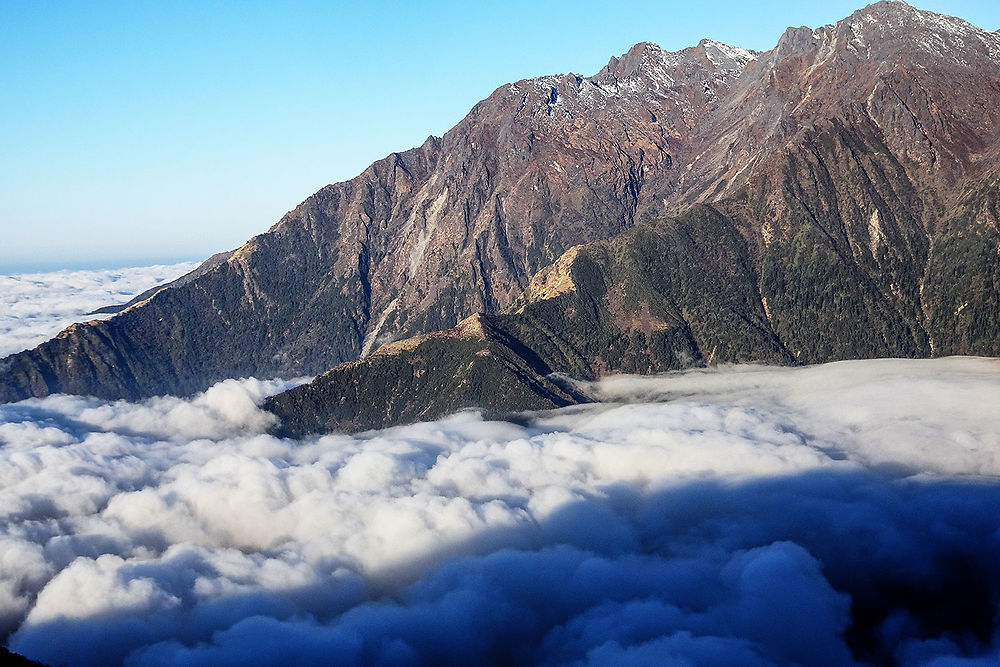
[{"x": 833, "y": 198}]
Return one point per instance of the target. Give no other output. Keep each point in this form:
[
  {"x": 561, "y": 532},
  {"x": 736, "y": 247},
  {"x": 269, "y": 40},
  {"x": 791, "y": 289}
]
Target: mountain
[
  {"x": 868, "y": 227},
  {"x": 418, "y": 241},
  {"x": 832, "y": 198}
]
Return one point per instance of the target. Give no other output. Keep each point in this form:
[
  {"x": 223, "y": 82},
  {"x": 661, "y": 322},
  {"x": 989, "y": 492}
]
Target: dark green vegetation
[{"x": 472, "y": 365}]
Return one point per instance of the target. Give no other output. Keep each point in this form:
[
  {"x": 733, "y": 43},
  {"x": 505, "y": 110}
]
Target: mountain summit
[{"x": 834, "y": 197}]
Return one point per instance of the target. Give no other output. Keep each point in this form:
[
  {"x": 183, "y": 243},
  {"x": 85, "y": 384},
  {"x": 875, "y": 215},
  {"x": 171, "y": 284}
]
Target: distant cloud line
[{"x": 36, "y": 306}]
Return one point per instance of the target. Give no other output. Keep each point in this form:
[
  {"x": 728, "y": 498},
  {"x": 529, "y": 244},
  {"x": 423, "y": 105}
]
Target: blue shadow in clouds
[{"x": 822, "y": 568}]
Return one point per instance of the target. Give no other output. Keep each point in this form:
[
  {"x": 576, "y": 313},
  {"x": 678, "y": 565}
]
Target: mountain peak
[
  {"x": 732, "y": 54},
  {"x": 650, "y": 61},
  {"x": 898, "y": 14},
  {"x": 894, "y": 31},
  {"x": 891, "y": 27}
]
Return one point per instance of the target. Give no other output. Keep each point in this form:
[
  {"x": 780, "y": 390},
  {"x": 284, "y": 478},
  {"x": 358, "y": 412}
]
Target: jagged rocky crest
[{"x": 832, "y": 198}]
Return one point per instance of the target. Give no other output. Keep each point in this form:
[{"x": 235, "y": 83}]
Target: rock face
[{"x": 834, "y": 197}]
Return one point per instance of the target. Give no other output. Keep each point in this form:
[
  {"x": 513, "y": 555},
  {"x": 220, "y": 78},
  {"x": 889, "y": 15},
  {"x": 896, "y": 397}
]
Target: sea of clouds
[
  {"x": 829, "y": 515},
  {"x": 36, "y": 306},
  {"x": 762, "y": 516}
]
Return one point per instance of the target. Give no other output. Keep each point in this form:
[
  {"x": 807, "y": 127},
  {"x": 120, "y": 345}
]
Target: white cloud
[
  {"x": 36, "y": 306},
  {"x": 930, "y": 415},
  {"x": 745, "y": 517}
]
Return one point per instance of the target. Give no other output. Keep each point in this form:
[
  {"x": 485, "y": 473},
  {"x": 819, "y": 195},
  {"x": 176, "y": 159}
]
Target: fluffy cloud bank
[
  {"x": 826, "y": 515},
  {"x": 36, "y": 306}
]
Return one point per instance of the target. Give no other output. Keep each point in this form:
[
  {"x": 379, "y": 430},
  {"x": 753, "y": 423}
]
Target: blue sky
[{"x": 133, "y": 132}]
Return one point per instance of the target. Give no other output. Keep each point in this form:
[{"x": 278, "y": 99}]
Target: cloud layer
[
  {"x": 36, "y": 306},
  {"x": 821, "y": 515}
]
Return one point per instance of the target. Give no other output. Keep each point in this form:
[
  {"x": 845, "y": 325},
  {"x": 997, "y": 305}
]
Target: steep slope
[
  {"x": 203, "y": 268},
  {"x": 855, "y": 163}
]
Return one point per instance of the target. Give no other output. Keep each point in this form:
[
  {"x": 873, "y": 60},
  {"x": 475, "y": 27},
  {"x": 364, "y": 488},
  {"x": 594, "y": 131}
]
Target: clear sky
[{"x": 133, "y": 132}]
